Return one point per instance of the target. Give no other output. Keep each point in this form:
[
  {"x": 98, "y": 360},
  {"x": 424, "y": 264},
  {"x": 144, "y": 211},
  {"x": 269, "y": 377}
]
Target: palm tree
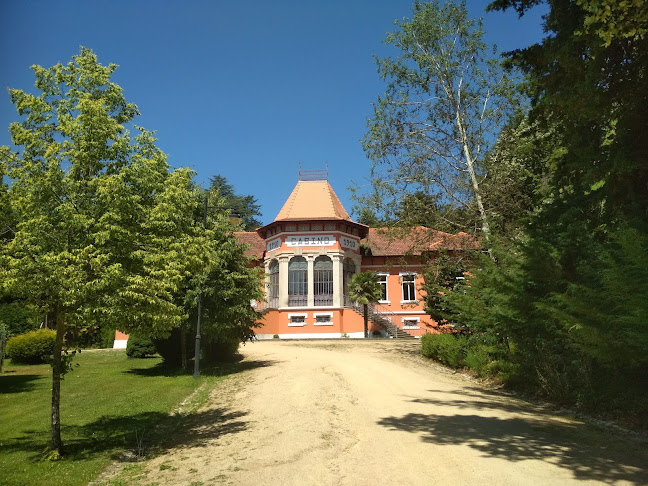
[{"x": 364, "y": 288}]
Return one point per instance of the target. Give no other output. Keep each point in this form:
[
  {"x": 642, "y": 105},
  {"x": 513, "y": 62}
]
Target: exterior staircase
[{"x": 383, "y": 320}]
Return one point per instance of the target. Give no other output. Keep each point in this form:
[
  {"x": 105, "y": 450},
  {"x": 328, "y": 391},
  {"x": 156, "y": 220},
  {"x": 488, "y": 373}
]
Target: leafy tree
[
  {"x": 443, "y": 276},
  {"x": 368, "y": 217},
  {"x": 104, "y": 230},
  {"x": 602, "y": 60},
  {"x": 568, "y": 290},
  {"x": 517, "y": 181},
  {"x": 422, "y": 209},
  {"x": 229, "y": 285},
  {"x": 18, "y": 317},
  {"x": 242, "y": 207},
  {"x": 6, "y": 219},
  {"x": 444, "y": 105},
  {"x": 365, "y": 289}
]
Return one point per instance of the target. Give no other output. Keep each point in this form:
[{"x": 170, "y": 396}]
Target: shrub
[
  {"x": 484, "y": 351},
  {"x": 449, "y": 349},
  {"x": 34, "y": 347},
  {"x": 139, "y": 347},
  {"x": 376, "y": 333},
  {"x": 276, "y": 336},
  {"x": 478, "y": 358}
]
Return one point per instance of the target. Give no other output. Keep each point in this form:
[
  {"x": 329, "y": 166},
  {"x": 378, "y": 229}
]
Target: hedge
[
  {"x": 139, "y": 347},
  {"x": 34, "y": 347},
  {"x": 449, "y": 349}
]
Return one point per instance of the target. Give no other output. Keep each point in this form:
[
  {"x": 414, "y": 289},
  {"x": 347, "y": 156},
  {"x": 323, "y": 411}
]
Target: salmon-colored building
[
  {"x": 310, "y": 252},
  {"x": 312, "y": 249}
]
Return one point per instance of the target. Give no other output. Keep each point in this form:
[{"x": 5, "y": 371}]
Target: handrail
[{"x": 381, "y": 320}]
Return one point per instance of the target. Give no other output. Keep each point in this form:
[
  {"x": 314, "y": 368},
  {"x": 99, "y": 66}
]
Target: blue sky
[{"x": 248, "y": 90}]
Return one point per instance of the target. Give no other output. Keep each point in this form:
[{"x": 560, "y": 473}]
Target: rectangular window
[
  {"x": 323, "y": 319},
  {"x": 411, "y": 323},
  {"x": 409, "y": 287},
  {"x": 383, "y": 286},
  {"x": 297, "y": 320}
]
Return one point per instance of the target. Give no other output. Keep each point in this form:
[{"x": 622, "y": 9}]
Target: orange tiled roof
[
  {"x": 312, "y": 200},
  {"x": 385, "y": 241},
  {"x": 403, "y": 241},
  {"x": 256, "y": 244}
]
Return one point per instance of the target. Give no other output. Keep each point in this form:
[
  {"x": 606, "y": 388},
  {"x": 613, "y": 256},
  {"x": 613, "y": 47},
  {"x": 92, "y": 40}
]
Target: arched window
[
  {"x": 348, "y": 270},
  {"x": 273, "y": 285},
  {"x": 323, "y": 273},
  {"x": 297, "y": 282}
]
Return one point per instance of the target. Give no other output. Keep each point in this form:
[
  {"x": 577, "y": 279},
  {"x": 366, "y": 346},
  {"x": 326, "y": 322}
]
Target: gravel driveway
[{"x": 375, "y": 413}]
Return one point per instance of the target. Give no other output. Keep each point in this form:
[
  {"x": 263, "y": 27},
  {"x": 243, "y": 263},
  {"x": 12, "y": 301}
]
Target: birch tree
[{"x": 445, "y": 103}]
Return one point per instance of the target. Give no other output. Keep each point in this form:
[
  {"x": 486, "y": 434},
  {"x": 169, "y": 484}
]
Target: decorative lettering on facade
[
  {"x": 301, "y": 240},
  {"x": 274, "y": 244},
  {"x": 349, "y": 243}
]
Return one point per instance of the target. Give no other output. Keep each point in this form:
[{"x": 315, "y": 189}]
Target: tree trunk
[
  {"x": 56, "y": 444},
  {"x": 366, "y": 320},
  {"x": 470, "y": 164}
]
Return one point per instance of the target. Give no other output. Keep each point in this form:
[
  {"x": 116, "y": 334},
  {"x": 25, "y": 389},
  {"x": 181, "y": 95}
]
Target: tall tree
[
  {"x": 571, "y": 292},
  {"x": 589, "y": 76},
  {"x": 229, "y": 285},
  {"x": 365, "y": 289},
  {"x": 241, "y": 207},
  {"x": 445, "y": 102},
  {"x": 104, "y": 231}
]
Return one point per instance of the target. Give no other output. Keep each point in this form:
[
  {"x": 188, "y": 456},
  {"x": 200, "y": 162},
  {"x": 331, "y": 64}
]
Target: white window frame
[
  {"x": 410, "y": 319},
  {"x": 386, "y": 301},
  {"x": 297, "y": 324},
  {"x": 319, "y": 314},
  {"x": 401, "y": 275}
]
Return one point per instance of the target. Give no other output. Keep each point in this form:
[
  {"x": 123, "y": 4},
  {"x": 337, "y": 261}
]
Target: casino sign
[{"x": 309, "y": 240}]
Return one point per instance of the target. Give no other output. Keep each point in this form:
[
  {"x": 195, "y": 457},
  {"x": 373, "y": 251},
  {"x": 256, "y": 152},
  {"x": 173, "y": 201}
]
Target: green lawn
[{"x": 107, "y": 403}]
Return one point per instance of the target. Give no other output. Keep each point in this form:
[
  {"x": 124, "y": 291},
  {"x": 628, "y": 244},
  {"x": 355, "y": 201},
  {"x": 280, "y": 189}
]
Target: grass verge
[{"x": 109, "y": 403}]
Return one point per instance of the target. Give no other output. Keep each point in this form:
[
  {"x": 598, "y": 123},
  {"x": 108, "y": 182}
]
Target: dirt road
[{"x": 374, "y": 413}]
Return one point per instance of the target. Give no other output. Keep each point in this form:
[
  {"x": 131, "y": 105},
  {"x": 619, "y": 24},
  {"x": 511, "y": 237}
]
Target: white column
[
  {"x": 267, "y": 282},
  {"x": 338, "y": 283},
  {"x": 283, "y": 281},
  {"x": 311, "y": 280}
]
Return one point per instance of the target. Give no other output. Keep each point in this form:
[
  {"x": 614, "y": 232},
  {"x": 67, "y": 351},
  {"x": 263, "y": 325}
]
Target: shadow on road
[
  {"x": 580, "y": 448},
  {"x": 217, "y": 369},
  {"x": 474, "y": 398}
]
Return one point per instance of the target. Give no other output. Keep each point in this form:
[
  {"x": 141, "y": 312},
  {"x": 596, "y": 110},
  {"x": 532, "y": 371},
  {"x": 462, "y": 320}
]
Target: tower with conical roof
[{"x": 312, "y": 250}]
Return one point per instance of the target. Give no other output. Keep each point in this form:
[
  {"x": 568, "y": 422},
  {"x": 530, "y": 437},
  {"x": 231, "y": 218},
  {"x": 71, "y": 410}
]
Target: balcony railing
[
  {"x": 323, "y": 299},
  {"x": 297, "y": 300}
]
